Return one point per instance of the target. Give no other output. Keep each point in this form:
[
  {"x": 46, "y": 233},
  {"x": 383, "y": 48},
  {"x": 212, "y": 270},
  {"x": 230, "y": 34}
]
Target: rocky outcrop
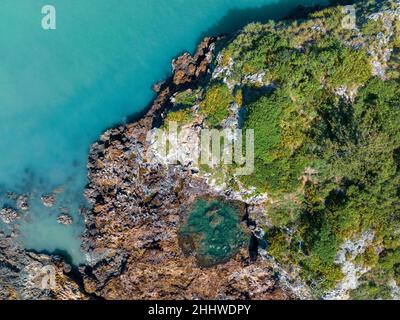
[
  {"x": 31, "y": 276},
  {"x": 65, "y": 219},
  {"x": 138, "y": 207},
  {"x": 48, "y": 200},
  {"x": 187, "y": 68},
  {"x": 8, "y": 215}
]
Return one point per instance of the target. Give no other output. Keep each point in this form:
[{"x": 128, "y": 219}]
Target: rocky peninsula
[{"x": 320, "y": 211}]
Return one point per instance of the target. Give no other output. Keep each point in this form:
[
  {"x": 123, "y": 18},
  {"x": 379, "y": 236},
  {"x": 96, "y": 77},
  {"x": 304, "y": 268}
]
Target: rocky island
[{"x": 317, "y": 217}]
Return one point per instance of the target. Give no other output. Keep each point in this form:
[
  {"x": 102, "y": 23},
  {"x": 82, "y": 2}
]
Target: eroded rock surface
[
  {"x": 138, "y": 207},
  {"x": 29, "y": 276}
]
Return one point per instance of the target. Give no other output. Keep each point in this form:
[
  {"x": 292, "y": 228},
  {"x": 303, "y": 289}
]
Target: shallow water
[
  {"x": 60, "y": 89},
  {"x": 212, "y": 232}
]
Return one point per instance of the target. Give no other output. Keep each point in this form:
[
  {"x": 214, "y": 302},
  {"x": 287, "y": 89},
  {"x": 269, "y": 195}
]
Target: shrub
[{"x": 215, "y": 106}]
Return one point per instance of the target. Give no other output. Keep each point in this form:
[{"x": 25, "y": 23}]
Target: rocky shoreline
[
  {"x": 131, "y": 238},
  {"x": 132, "y": 232},
  {"x": 139, "y": 203}
]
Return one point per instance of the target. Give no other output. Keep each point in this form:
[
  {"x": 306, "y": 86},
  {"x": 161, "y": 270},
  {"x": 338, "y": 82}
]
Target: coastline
[
  {"x": 131, "y": 238},
  {"x": 152, "y": 202}
]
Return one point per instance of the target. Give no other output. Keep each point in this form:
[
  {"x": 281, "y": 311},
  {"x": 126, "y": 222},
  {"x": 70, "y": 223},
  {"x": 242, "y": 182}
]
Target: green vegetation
[
  {"x": 282, "y": 119},
  {"x": 372, "y": 27},
  {"x": 327, "y": 144},
  {"x": 181, "y": 116},
  {"x": 396, "y": 40},
  {"x": 186, "y": 98},
  {"x": 212, "y": 232},
  {"x": 356, "y": 189},
  {"x": 215, "y": 106}
]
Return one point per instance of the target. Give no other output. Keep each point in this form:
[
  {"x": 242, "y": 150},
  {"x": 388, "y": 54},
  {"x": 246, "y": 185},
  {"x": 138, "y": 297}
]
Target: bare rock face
[
  {"x": 135, "y": 248},
  {"x": 27, "y": 275},
  {"x": 189, "y": 68},
  {"x": 132, "y": 233}
]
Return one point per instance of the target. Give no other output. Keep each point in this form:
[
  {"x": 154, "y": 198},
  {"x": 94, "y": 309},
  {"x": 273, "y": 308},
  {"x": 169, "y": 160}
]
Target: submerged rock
[
  {"x": 64, "y": 219},
  {"x": 8, "y": 215},
  {"x": 22, "y": 202},
  {"x": 48, "y": 200},
  {"x": 157, "y": 87}
]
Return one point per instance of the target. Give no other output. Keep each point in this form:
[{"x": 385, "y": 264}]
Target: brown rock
[
  {"x": 132, "y": 232},
  {"x": 188, "y": 69}
]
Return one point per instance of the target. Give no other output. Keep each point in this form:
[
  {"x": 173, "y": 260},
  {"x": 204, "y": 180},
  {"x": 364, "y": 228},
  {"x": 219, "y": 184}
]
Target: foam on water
[{"x": 60, "y": 89}]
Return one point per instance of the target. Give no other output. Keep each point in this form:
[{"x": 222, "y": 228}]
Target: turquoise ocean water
[{"x": 60, "y": 89}]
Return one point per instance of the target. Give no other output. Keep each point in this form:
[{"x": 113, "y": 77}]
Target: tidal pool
[{"x": 213, "y": 232}]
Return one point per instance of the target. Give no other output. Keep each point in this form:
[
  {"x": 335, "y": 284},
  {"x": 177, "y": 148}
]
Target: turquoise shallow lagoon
[{"x": 60, "y": 89}]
